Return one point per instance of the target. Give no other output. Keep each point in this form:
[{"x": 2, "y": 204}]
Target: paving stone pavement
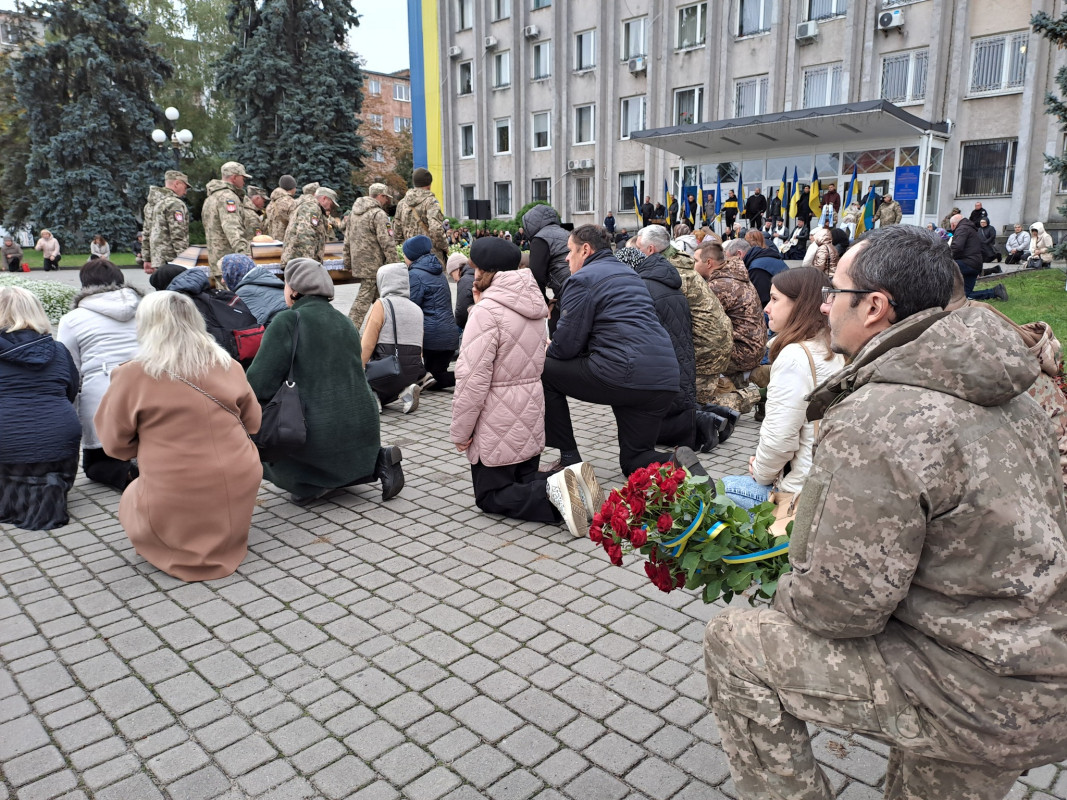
[{"x": 416, "y": 648}]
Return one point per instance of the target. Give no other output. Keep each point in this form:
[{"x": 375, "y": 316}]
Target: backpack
[{"x": 230, "y": 323}]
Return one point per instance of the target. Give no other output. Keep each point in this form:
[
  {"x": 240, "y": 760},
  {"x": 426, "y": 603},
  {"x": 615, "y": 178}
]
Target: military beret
[{"x": 490, "y": 254}]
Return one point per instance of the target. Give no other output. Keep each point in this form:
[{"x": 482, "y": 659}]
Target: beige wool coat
[{"x": 190, "y": 510}]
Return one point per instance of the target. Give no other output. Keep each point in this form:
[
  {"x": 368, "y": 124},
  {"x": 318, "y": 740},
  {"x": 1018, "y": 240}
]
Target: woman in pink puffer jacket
[{"x": 498, "y": 410}]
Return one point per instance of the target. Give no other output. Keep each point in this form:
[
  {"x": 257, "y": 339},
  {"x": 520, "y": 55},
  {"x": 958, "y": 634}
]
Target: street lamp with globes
[{"x": 179, "y": 139}]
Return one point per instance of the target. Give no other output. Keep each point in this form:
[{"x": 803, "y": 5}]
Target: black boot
[
  {"x": 729, "y": 416},
  {"x": 707, "y": 431},
  {"x": 684, "y": 457},
  {"x": 387, "y": 469}
]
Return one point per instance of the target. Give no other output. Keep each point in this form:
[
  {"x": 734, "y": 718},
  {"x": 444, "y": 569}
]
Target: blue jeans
[{"x": 744, "y": 491}]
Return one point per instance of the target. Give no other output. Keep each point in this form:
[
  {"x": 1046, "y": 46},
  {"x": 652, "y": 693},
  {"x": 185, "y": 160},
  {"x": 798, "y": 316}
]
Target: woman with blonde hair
[
  {"x": 49, "y": 247},
  {"x": 39, "y": 443},
  {"x": 184, "y": 409}
]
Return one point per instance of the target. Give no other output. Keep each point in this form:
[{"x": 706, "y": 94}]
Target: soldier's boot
[
  {"x": 708, "y": 427},
  {"x": 729, "y": 418}
]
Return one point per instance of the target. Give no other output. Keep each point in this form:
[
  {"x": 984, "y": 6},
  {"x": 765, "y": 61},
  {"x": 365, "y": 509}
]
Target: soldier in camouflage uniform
[
  {"x": 255, "y": 203},
  {"x": 280, "y": 208},
  {"x": 927, "y": 603},
  {"x": 306, "y": 236},
  {"x": 224, "y": 224},
  {"x": 169, "y": 234},
  {"x": 149, "y": 212},
  {"x": 368, "y": 245},
  {"x": 713, "y": 333},
  {"x": 419, "y": 214}
]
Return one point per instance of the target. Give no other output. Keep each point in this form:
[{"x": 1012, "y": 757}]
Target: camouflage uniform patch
[
  {"x": 306, "y": 236},
  {"x": 169, "y": 235}
]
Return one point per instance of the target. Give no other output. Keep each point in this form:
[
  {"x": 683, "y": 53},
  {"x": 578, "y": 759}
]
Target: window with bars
[
  {"x": 692, "y": 25},
  {"x": 904, "y": 76},
  {"x": 466, "y": 77},
  {"x": 988, "y": 168},
  {"x": 689, "y": 106},
  {"x": 998, "y": 63},
  {"x": 822, "y": 86},
  {"x": 628, "y": 183},
  {"x": 542, "y": 60},
  {"x": 466, "y": 141},
  {"x": 584, "y": 50},
  {"x": 541, "y": 189},
  {"x": 750, "y": 96},
  {"x": 542, "y": 139},
  {"x": 503, "y": 136},
  {"x": 583, "y": 124},
  {"x": 502, "y": 190},
  {"x": 824, "y": 9},
  {"x": 632, "y": 114},
  {"x": 502, "y": 69},
  {"x": 754, "y": 16},
  {"x": 633, "y": 38},
  {"x": 583, "y": 194}
]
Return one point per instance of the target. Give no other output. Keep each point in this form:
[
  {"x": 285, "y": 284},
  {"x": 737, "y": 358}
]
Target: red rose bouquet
[{"x": 692, "y": 535}]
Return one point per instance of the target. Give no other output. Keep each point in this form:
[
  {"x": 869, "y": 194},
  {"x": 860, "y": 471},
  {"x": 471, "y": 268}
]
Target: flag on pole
[
  {"x": 700, "y": 201},
  {"x": 637, "y": 206},
  {"x": 740, "y": 192},
  {"x": 866, "y": 220},
  {"x": 781, "y": 190},
  {"x": 718, "y": 194},
  {"x": 686, "y": 207},
  {"x": 794, "y": 201},
  {"x": 851, "y": 187},
  {"x": 814, "y": 198},
  {"x": 667, "y": 194}
]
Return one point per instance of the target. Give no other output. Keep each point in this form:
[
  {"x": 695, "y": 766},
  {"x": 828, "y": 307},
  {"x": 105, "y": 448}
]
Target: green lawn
[
  {"x": 75, "y": 260},
  {"x": 1035, "y": 295}
]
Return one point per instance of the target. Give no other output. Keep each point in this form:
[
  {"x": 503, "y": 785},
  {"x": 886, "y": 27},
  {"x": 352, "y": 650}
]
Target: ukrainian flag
[
  {"x": 851, "y": 187},
  {"x": 866, "y": 220},
  {"x": 794, "y": 201},
  {"x": 814, "y": 198},
  {"x": 781, "y": 189}
]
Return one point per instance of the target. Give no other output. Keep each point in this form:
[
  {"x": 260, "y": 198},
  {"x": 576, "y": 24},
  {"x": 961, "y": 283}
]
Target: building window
[
  {"x": 501, "y": 9},
  {"x": 541, "y": 4},
  {"x": 503, "y": 198},
  {"x": 998, "y": 63},
  {"x": 692, "y": 25},
  {"x": 822, "y": 86},
  {"x": 378, "y": 155},
  {"x": 468, "y": 196},
  {"x": 542, "y": 139},
  {"x": 584, "y": 52},
  {"x": 689, "y": 106},
  {"x": 583, "y": 125},
  {"x": 466, "y": 78},
  {"x": 376, "y": 121},
  {"x": 629, "y": 182},
  {"x": 542, "y": 60},
  {"x": 401, "y": 124},
  {"x": 633, "y": 115},
  {"x": 824, "y": 9},
  {"x": 502, "y": 69},
  {"x": 374, "y": 87},
  {"x": 503, "y": 136},
  {"x": 904, "y": 76},
  {"x": 541, "y": 189},
  {"x": 402, "y": 92},
  {"x": 754, "y": 17},
  {"x": 7, "y": 34},
  {"x": 750, "y": 96},
  {"x": 633, "y": 38},
  {"x": 583, "y": 194},
  {"x": 466, "y": 14},
  {"x": 988, "y": 168},
  {"x": 466, "y": 141}
]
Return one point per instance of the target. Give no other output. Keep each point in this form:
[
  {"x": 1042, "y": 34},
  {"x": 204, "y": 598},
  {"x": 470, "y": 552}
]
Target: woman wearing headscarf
[
  {"x": 394, "y": 325},
  {"x": 343, "y": 436},
  {"x": 429, "y": 291},
  {"x": 258, "y": 287},
  {"x": 821, "y": 252}
]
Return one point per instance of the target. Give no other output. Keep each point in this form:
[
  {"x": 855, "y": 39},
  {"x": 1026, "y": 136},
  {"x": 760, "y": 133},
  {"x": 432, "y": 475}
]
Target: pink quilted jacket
[{"x": 498, "y": 398}]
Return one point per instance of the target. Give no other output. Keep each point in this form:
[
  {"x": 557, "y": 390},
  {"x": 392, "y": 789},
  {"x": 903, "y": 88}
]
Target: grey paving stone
[
  {"x": 44, "y": 680},
  {"x": 203, "y": 784},
  {"x": 432, "y": 785},
  {"x": 159, "y": 665},
  {"x": 405, "y": 710},
  {"x": 562, "y": 767},
  {"x": 223, "y": 733},
  {"x": 373, "y": 687},
  {"x": 84, "y": 732},
  {"x": 277, "y": 716},
  {"x": 517, "y": 785},
  {"x": 51, "y": 786},
  {"x": 319, "y": 755},
  {"x": 300, "y": 635},
  {"x": 370, "y": 742},
  {"x": 483, "y": 765},
  {"x": 403, "y": 764},
  {"x": 185, "y": 692},
  {"x": 705, "y": 762},
  {"x": 98, "y": 753},
  {"x": 588, "y": 697},
  {"x": 122, "y": 697},
  {"x": 245, "y": 755},
  {"x": 297, "y": 735},
  {"x": 594, "y": 784},
  {"x": 32, "y": 765},
  {"x": 487, "y": 718},
  {"x": 379, "y": 790},
  {"x": 656, "y": 778},
  {"x": 349, "y": 721},
  {"x": 145, "y": 722},
  {"x": 223, "y": 669},
  {"x": 342, "y": 778},
  {"x": 260, "y": 781},
  {"x": 529, "y": 746},
  {"x": 452, "y": 745},
  {"x": 136, "y": 787},
  {"x": 111, "y": 771}
]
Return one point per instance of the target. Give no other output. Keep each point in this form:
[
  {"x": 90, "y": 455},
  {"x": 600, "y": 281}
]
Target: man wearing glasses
[{"x": 927, "y": 605}]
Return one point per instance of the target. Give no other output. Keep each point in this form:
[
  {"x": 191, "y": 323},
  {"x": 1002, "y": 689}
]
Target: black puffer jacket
[
  {"x": 665, "y": 285},
  {"x": 464, "y": 294},
  {"x": 967, "y": 245},
  {"x": 548, "y": 248}
]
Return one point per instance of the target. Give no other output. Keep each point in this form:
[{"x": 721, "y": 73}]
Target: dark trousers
[
  {"x": 102, "y": 468},
  {"x": 437, "y": 362},
  {"x": 970, "y": 277},
  {"x": 13, "y": 265},
  {"x": 51, "y": 264},
  {"x": 678, "y": 428},
  {"x": 1015, "y": 258},
  {"x": 513, "y": 490},
  {"x": 638, "y": 412}
]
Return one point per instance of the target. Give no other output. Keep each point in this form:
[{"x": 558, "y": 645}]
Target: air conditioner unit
[
  {"x": 890, "y": 19},
  {"x": 586, "y": 163},
  {"x": 807, "y": 31},
  {"x": 531, "y": 32},
  {"x": 639, "y": 64},
  {"x": 455, "y": 52},
  {"x": 574, "y": 165},
  {"x": 490, "y": 42}
]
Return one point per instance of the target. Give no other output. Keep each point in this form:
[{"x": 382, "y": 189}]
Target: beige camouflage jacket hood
[{"x": 933, "y": 521}]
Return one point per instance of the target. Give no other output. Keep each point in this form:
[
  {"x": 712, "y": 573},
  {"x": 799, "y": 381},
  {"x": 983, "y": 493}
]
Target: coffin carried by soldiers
[{"x": 269, "y": 254}]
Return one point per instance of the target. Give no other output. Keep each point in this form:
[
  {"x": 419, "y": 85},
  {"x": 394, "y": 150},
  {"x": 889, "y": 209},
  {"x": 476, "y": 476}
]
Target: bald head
[{"x": 955, "y": 220}]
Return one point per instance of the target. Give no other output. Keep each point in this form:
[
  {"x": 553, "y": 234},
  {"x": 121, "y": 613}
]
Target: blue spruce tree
[
  {"x": 296, "y": 90},
  {"x": 87, "y": 90}
]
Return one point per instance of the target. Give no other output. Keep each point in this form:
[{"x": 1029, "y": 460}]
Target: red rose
[
  {"x": 615, "y": 554},
  {"x": 664, "y": 523},
  {"x": 650, "y": 569},
  {"x": 638, "y": 506},
  {"x": 596, "y": 533},
  {"x": 678, "y": 475},
  {"x": 638, "y": 537},
  {"x": 599, "y": 518},
  {"x": 620, "y": 519}
]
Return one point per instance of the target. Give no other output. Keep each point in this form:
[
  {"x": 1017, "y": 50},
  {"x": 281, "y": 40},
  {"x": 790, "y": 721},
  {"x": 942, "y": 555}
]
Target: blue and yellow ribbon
[{"x": 761, "y": 555}]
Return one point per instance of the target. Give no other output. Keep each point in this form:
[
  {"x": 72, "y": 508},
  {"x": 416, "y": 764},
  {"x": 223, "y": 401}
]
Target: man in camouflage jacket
[
  {"x": 169, "y": 234},
  {"x": 223, "y": 216},
  {"x": 280, "y": 208},
  {"x": 149, "y": 215},
  {"x": 255, "y": 204},
  {"x": 368, "y": 245},
  {"x": 927, "y": 603},
  {"x": 728, "y": 279},
  {"x": 306, "y": 235},
  {"x": 419, "y": 214}
]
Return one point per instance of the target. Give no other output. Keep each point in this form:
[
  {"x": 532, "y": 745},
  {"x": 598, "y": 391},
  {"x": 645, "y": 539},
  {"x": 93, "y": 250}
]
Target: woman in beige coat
[{"x": 184, "y": 409}]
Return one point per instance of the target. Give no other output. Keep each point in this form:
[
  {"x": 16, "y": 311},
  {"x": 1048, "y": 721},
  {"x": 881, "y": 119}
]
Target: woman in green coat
[{"x": 343, "y": 434}]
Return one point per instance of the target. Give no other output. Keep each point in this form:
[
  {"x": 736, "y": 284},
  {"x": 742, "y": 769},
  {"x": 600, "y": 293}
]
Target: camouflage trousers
[
  {"x": 730, "y": 390},
  {"x": 368, "y": 293},
  {"x": 768, "y": 677}
]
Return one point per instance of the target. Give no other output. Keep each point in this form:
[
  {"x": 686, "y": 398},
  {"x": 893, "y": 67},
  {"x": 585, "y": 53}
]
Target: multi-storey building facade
[
  {"x": 938, "y": 101},
  {"x": 386, "y": 107}
]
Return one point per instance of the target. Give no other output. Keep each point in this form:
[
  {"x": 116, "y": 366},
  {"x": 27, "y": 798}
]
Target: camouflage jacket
[
  {"x": 933, "y": 522},
  {"x": 713, "y": 333},
  {"x": 254, "y": 222},
  {"x": 149, "y": 210},
  {"x": 224, "y": 224},
  {"x": 279, "y": 211},
  {"x": 170, "y": 227},
  {"x": 306, "y": 234},
  {"x": 419, "y": 214},
  {"x": 889, "y": 213},
  {"x": 368, "y": 243},
  {"x": 741, "y": 302}
]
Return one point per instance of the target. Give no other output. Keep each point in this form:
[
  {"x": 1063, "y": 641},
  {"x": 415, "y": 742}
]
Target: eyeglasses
[{"x": 828, "y": 293}]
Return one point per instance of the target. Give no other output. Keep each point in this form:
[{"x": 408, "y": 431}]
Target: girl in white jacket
[{"x": 800, "y": 358}]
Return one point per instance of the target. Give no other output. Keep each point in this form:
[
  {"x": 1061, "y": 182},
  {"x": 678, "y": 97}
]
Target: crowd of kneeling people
[{"x": 148, "y": 386}]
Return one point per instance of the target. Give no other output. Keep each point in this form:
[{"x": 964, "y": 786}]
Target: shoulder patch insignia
[
  {"x": 231, "y": 206},
  {"x": 314, "y": 220},
  {"x": 178, "y": 216}
]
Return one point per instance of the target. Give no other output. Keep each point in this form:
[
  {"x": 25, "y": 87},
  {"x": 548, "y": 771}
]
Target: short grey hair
[
  {"x": 735, "y": 247},
  {"x": 655, "y": 235}
]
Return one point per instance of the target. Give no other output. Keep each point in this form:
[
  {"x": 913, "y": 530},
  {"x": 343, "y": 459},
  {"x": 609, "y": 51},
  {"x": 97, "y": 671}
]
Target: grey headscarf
[{"x": 630, "y": 256}]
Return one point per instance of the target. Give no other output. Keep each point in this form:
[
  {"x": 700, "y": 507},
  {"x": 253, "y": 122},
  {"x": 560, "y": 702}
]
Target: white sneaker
[
  {"x": 563, "y": 492},
  {"x": 410, "y": 397},
  {"x": 588, "y": 485},
  {"x": 427, "y": 381}
]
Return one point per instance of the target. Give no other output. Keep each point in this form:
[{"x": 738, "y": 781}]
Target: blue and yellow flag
[
  {"x": 794, "y": 201},
  {"x": 851, "y": 187},
  {"x": 781, "y": 189},
  {"x": 700, "y": 202},
  {"x": 740, "y": 192},
  {"x": 815, "y": 198},
  {"x": 718, "y": 194},
  {"x": 866, "y": 220},
  {"x": 637, "y": 204},
  {"x": 667, "y": 194}
]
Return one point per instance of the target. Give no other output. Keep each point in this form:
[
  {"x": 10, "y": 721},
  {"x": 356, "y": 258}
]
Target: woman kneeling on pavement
[
  {"x": 394, "y": 327},
  {"x": 343, "y": 436},
  {"x": 498, "y": 413}
]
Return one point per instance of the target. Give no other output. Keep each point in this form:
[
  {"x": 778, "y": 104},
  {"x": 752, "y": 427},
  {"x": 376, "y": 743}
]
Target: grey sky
[{"x": 382, "y": 35}]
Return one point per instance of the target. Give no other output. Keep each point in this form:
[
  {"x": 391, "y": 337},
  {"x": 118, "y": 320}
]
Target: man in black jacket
[
  {"x": 967, "y": 251},
  {"x": 755, "y": 208},
  {"x": 647, "y": 212}
]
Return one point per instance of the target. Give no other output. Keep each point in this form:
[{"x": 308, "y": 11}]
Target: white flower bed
[{"x": 56, "y": 297}]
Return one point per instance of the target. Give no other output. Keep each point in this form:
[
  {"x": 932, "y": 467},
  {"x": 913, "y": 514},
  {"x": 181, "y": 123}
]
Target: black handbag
[
  {"x": 385, "y": 371},
  {"x": 283, "y": 429}
]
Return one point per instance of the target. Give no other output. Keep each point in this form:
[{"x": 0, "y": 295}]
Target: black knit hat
[{"x": 490, "y": 254}]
